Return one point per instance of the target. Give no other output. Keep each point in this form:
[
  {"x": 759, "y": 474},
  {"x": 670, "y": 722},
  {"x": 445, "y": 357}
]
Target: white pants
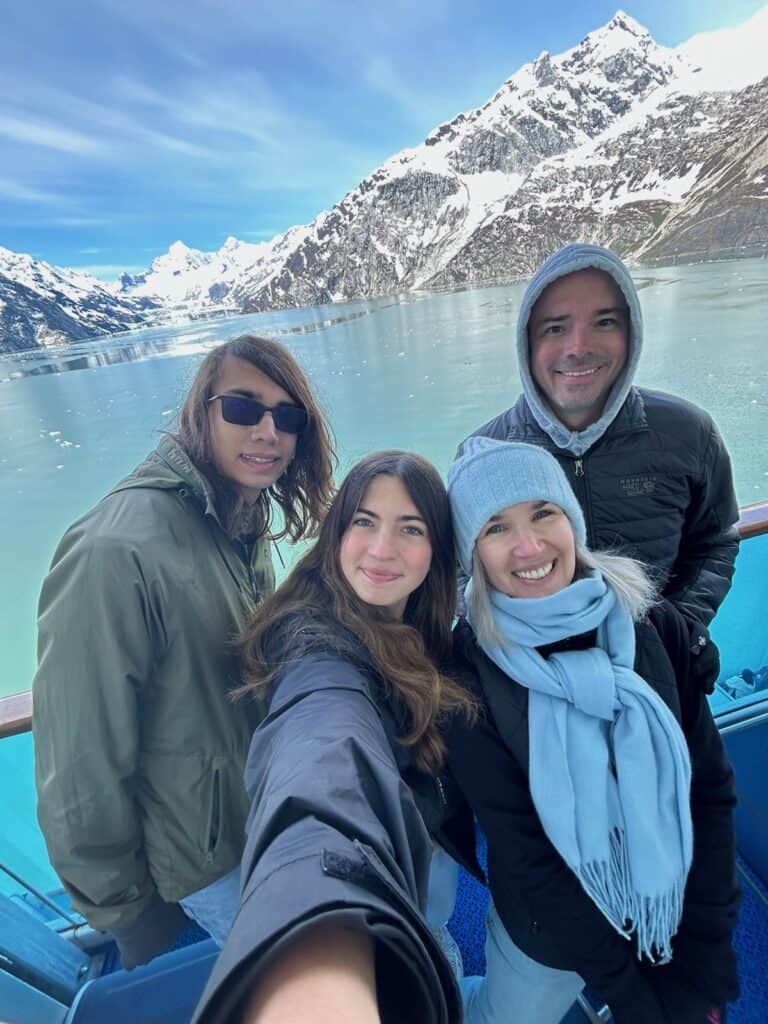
[{"x": 516, "y": 987}]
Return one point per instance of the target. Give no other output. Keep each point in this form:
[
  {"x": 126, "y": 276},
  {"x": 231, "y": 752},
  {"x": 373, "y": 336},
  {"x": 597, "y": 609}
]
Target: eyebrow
[
  {"x": 400, "y": 519},
  {"x": 500, "y": 515},
  {"x": 255, "y": 396},
  {"x": 598, "y": 312},
  {"x": 243, "y": 392}
]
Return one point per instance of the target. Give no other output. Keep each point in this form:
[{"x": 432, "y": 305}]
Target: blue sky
[{"x": 127, "y": 124}]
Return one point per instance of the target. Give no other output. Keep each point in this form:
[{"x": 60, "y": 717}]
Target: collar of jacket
[
  {"x": 523, "y": 425},
  {"x": 169, "y": 468}
]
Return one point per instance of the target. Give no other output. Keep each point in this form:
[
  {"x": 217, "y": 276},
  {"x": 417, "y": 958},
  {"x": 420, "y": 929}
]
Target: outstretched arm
[
  {"x": 334, "y": 842},
  {"x": 326, "y": 976}
]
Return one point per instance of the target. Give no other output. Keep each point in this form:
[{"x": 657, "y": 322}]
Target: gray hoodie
[
  {"x": 652, "y": 474},
  {"x": 579, "y": 256}
]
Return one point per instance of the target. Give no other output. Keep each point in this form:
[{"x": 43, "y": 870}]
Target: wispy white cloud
[
  {"x": 241, "y": 107},
  {"x": 105, "y": 130},
  {"x": 23, "y": 193},
  {"x": 38, "y": 133},
  {"x": 82, "y": 222},
  {"x": 380, "y": 75}
]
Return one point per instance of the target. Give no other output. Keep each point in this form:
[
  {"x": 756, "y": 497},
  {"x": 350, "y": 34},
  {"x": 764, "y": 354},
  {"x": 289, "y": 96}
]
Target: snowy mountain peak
[
  {"x": 179, "y": 259},
  {"x": 180, "y": 250},
  {"x": 610, "y": 47},
  {"x": 617, "y": 140},
  {"x": 45, "y": 305},
  {"x": 623, "y": 22}
]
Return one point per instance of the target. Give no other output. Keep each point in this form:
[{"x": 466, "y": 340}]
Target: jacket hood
[
  {"x": 571, "y": 258},
  {"x": 168, "y": 468}
]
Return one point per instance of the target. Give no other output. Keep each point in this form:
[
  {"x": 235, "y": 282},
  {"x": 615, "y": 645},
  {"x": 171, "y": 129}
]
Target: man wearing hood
[{"x": 650, "y": 469}]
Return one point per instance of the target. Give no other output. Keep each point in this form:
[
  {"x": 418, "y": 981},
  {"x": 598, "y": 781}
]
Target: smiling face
[
  {"x": 528, "y": 549},
  {"x": 386, "y": 551},
  {"x": 254, "y": 457},
  {"x": 577, "y": 333}
]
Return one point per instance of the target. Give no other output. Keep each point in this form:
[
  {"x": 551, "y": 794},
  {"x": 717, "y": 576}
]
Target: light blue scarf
[{"x": 609, "y": 767}]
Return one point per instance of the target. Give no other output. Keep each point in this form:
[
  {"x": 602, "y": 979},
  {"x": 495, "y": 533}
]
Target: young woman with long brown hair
[
  {"x": 347, "y": 659},
  {"x": 139, "y": 752}
]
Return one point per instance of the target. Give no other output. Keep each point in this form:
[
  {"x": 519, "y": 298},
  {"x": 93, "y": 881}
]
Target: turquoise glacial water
[{"x": 419, "y": 371}]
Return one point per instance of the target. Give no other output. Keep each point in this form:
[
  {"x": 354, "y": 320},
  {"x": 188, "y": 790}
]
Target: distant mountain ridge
[
  {"x": 42, "y": 305},
  {"x": 618, "y": 140}
]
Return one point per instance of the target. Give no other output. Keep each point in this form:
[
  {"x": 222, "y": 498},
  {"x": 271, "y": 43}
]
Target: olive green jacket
[{"x": 139, "y": 752}]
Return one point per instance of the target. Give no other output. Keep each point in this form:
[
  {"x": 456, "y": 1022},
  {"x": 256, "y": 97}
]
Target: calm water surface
[{"x": 417, "y": 372}]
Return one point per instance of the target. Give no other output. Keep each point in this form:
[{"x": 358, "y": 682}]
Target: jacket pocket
[{"x": 213, "y": 830}]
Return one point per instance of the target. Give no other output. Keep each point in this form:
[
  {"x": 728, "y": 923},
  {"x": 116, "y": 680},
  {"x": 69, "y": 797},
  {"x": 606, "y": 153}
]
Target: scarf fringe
[{"x": 653, "y": 919}]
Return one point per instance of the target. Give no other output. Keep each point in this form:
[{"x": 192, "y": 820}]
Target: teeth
[
  {"x": 579, "y": 373},
  {"x": 259, "y": 458},
  {"x": 535, "y": 574}
]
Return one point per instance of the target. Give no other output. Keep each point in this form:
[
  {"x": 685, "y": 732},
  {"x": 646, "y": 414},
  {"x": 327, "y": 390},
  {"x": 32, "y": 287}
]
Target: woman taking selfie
[
  {"x": 139, "y": 753},
  {"x": 596, "y": 769},
  {"x": 344, "y": 770}
]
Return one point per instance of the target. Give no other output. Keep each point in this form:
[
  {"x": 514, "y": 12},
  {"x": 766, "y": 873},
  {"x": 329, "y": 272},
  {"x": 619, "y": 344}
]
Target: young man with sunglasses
[{"x": 139, "y": 751}]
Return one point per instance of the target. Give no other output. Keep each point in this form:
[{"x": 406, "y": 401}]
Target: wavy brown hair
[
  {"x": 305, "y": 490},
  {"x": 317, "y": 608}
]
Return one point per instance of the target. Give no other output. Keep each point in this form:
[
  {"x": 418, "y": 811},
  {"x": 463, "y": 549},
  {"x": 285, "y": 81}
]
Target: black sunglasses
[{"x": 247, "y": 412}]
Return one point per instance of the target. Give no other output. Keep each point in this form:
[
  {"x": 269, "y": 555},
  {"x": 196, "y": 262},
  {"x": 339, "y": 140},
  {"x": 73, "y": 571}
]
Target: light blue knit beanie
[{"x": 491, "y": 475}]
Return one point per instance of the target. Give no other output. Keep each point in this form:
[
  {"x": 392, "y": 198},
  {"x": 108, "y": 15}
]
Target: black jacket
[
  {"x": 657, "y": 485},
  {"x": 540, "y": 901},
  {"x": 335, "y": 834}
]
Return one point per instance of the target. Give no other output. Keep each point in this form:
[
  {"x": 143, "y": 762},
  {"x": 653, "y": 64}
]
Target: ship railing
[
  {"x": 60, "y": 975},
  {"x": 16, "y": 710}
]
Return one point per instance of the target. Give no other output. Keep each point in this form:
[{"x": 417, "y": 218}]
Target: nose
[
  {"x": 381, "y": 545},
  {"x": 527, "y": 544},
  {"x": 265, "y": 429},
  {"x": 578, "y": 341}
]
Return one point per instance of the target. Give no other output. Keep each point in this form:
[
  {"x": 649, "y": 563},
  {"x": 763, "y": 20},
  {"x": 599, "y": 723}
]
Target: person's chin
[{"x": 258, "y": 482}]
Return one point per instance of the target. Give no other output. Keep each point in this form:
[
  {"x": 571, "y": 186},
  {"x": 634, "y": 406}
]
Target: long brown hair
[
  {"x": 316, "y": 606},
  {"x": 305, "y": 490}
]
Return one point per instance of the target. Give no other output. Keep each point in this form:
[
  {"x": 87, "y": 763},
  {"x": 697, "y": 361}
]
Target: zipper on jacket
[
  {"x": 215, "y": 825},
  {"x": 441, "y": 790},
  {"x": 579, "y": 467}
]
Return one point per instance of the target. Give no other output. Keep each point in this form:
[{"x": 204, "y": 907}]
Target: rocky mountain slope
[
  {"x": 608, "y": 142},
  {"x": 42, "y": 305},
  {"x": 618, "y": 140}
]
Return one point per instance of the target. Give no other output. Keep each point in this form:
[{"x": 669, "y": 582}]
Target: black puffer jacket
[
  {"x": 540, "y": 901},
  {"x": 657, "y": 486},
  {"x": 336, "y": 834}
]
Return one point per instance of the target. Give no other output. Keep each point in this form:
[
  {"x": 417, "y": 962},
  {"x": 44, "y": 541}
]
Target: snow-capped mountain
[
  {"x": 44, "y": 305},
  {"x": 413, "y": 218},
  {"x": 618, "y": 140},
  {"x": 206, "y": 281},
  {"x": 656, "y": 152}
]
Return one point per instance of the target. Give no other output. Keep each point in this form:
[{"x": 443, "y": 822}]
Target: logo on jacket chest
[{"x": 636, "y": 486}]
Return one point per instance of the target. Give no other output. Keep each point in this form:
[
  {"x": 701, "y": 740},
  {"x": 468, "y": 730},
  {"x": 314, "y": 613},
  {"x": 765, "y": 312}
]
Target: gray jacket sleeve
[
  {"x": 334, "y": 835},
  {"x": 704, "y": 568}
]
